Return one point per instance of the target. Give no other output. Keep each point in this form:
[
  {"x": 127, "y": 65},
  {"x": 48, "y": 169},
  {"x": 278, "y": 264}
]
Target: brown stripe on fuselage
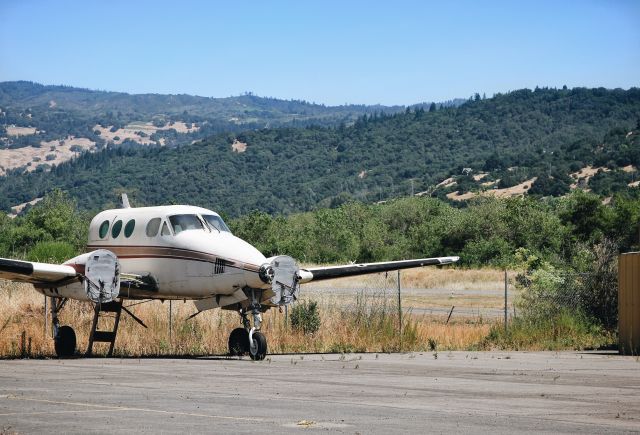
[{"x": 132, "y": 251}]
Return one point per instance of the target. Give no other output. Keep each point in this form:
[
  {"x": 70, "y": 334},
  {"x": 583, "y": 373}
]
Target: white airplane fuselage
[
  {"x": 177, "y": 252},
  {"x": 189, "y": 263}
]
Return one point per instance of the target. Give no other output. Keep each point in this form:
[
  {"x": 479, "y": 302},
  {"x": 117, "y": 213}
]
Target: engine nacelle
[
  {"x": 102, "y": 276},
  {"x": 284, "y": 279},
  {"x": 99, "y": 278}
]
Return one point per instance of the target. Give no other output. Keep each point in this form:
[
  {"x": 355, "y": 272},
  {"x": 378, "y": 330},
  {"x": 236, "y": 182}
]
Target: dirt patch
[
  {"x": 583, "y": 176},
  {"x": 57, "y": 151},
  {"x": 238, "y": 147},
  {"x": 122, "y": 134},
  {"x": 17, "y": 209},
  {"x": 634, "y": 184},
  {"x": 180, "y": 127},
  {"x": 446, "y": 183},
  {"x": 456, "y": 196},
  {"x": 132, "y": 132},
  {"x": 629, "y": 168},
  {"x": 12, "y": 130},
  {"x": 479, "y": 177},
  {"x": 517, "y": 190},
  {"x": 362, "y": 174}
]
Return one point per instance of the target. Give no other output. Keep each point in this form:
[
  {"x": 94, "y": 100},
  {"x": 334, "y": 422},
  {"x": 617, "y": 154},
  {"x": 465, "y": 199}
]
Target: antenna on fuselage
[{"x": 125, "y": 201}]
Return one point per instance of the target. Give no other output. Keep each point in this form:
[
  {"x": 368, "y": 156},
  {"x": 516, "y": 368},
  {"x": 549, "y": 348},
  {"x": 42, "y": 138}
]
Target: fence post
[
  {"x": 170, "y": 323},
  {"x": 399, "y": 310},
  {"x": 506, "y": 287},
  {"x": 45, "y": 316}
]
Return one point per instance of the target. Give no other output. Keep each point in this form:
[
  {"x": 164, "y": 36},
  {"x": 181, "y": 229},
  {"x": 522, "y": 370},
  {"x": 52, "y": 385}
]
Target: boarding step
[
  {"x": 105, "y": 336},
  {"x": 110, "y": 307}
]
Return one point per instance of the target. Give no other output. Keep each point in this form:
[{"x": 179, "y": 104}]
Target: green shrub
[
  {"x": 565, "y": 330},
  {"x": 51, "y": 252},
  {"x": 305, "y": 317}
]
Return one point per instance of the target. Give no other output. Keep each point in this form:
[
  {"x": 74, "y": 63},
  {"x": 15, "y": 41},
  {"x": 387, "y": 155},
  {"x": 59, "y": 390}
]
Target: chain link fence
[
  {"x": 472, "y": 296},
  {"x": 550, "y": 294},
  {"x": 456, "y": 296}
]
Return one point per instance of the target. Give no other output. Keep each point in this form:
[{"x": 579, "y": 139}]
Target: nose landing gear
[
  {"x": 249, "y": 339},
  {"x": 257, "y": 346}
]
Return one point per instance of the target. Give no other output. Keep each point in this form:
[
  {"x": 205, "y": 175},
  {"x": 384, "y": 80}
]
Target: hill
[
  {"x": 50, "y": 124},
  {"x": 539, "y": 137}
]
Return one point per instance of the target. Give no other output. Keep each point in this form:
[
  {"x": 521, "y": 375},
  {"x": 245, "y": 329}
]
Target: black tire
[
  {"x": 260, "y": 346},
  {"x": 238, "y": 342},
  {"x": 65, "y": 342}
]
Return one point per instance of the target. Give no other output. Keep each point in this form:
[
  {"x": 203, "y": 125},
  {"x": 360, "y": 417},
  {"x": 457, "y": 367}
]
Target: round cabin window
[
  {"x": 128, "y": 228},
  {"x": 115, "y": 230},
  {"x": 104, "y": 229}
]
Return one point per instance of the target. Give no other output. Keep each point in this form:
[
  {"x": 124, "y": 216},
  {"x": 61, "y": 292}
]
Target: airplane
[{"x": 177, "y": 252}]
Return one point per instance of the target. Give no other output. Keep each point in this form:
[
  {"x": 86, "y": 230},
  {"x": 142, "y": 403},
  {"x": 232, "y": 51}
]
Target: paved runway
[{"x": 359, "y": 393}]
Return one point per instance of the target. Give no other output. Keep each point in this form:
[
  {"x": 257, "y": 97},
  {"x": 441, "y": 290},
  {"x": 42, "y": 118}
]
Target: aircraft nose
[{"x": 247, "y": 253}]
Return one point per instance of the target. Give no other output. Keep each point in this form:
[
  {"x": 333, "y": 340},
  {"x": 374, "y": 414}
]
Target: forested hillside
[
  {"x": 56, "y": 112},
  {"x": 540, "y": 137}
]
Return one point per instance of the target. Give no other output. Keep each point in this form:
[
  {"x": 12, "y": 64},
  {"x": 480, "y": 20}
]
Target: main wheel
[
  {"x": 258, "y": 349},
  {"x": 238, "y": 342},
  {"x": 65, "y": 341}
]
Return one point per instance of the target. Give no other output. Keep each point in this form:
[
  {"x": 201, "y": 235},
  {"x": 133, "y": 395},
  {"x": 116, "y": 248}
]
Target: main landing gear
[
  {"x": 249, "y": 340},
  {"x": 64, "y": 336}
]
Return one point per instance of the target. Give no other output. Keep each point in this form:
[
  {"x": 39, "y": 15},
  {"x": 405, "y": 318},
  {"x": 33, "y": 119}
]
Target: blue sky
[{"x": 332, "y": 52}]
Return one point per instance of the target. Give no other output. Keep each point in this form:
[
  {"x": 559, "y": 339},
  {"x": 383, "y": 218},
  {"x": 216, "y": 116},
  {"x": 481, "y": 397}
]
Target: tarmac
[{"x": 497, "y": 392}]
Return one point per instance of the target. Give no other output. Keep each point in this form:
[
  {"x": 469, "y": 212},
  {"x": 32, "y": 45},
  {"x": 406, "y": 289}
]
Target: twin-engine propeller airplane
[{"x": 176, "y": 252}]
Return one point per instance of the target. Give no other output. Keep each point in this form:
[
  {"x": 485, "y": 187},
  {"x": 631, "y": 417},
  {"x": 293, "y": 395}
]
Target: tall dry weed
[{"x": 363, "y": 325}]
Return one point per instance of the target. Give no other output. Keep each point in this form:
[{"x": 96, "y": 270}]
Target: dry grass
[
  {"x": 348, "y": 325},
  {"x": 12, "y": 130},
  {"x": 17, "y": 209},
  {"x": 238, "y": 147},
  {"x": 59, "y": 149},
  {"x": 508, "y": 192},
  {"x": 130, "y": 131},
  {"x": 431, "y": 278}
]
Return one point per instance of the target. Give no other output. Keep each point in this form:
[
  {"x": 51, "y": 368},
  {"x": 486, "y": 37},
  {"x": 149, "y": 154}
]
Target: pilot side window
[
  {"x": 183, "y": 222},
  {"x": 216, "y": 222},
  {"x": 152, "y": 227},
  {"x": 165, "y": 230}
]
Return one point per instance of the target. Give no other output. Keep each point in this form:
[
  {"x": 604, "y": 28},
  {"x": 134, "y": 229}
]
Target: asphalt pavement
[{"x": 497, "y": 392}]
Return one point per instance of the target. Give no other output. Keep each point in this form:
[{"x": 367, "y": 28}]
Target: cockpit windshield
[
  {"x": 183, "y": 222},
  {"x": 216, "y": 222}
]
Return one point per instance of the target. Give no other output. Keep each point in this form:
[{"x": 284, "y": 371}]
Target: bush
[
  {"x": 305, "y": 317},
  {"x": 51, "y": 252},
  {"x": 565, "y": 330}
]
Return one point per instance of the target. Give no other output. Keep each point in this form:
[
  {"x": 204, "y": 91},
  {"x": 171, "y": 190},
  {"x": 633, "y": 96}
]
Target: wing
[
  {"x": 35, "y": 273},
  {"x": 321, "y": 273}
]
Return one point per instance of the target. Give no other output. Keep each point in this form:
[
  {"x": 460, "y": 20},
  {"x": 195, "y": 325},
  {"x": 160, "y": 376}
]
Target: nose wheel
[
  {"x": 257, "y": 346},
  {"x": 253, "y": 343},
  {"x": 249, "y": 339}
]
